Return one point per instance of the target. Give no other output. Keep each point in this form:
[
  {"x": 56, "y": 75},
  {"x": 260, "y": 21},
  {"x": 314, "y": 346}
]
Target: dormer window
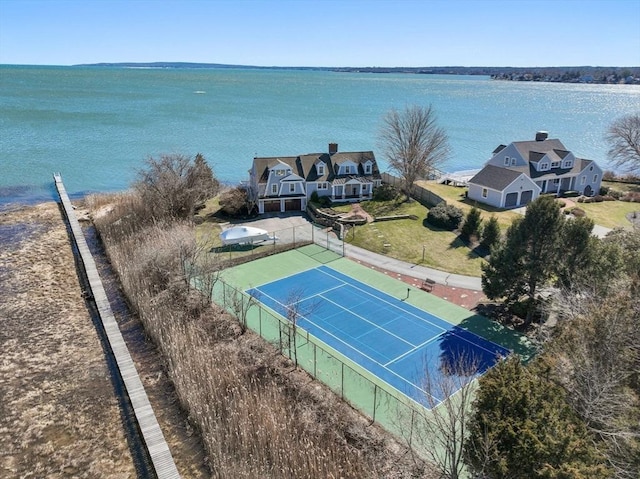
[
  {"x": 543, "y": 166},
  {"x": 555, "y": 164},
  {"x": 567, "y": 164},
  {"x": 279, "y": 172},
  {"x": 347, "y": 169},
  {"x": 367, "y": 169},
  {"x": 320, "y": 168}
]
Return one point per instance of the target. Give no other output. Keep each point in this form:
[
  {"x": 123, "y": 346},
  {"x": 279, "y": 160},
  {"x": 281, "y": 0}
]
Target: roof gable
[{"x": 495, "y": 177}]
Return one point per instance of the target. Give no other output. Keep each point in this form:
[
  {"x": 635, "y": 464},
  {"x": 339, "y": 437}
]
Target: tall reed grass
[{"x": 258, "y": 417}]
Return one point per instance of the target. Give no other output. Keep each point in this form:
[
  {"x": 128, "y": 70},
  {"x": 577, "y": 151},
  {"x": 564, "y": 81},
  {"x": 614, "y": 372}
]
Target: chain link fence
[{"x": 378, "y": 401}]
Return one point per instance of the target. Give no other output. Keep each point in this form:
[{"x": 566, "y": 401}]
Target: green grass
[
  {"x": 409, "y": 239},
  {"x": 611, "y": 214},
  {"x": 455, "y": 195}
]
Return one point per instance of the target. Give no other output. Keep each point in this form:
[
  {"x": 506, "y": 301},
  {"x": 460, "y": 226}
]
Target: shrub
[
  {"x": 174, "y": 186},
  {"x": 604, "y": 190},
  {"x": 445, "y": 216},
  {"x": 615, "y": 193},
  {"x": 631, "y": 196},
  {"x": 490, "y": 233},
  {"x": 235, "y": 202},
  {"x": 578, "y": 212},
  {"x": 472, "y": 225},
  {"x": 608, "y": 175},
  {"x": 385, "y": 192},
  {"x": 570, "y": 194}
]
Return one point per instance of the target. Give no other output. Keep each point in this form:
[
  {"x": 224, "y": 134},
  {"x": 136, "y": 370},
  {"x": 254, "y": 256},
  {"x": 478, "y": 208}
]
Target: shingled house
[
  {"x": 518, "y": 173},
  {"x": 286, "y": 183}
]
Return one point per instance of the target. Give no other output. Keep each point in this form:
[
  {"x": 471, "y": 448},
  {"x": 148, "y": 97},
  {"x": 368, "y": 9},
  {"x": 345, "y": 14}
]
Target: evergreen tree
[
  {"x": 527, "y": 258},
  {"x": 490, "y": 233},
  {"x": 578, "y": 248},
  {"x": 472, "y": 225},
  {"x": 523, "y": 428},
  {"x": 503, "y": 276}
]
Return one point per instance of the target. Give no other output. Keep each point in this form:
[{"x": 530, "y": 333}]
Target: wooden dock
[{"x": 152, "y": 436}]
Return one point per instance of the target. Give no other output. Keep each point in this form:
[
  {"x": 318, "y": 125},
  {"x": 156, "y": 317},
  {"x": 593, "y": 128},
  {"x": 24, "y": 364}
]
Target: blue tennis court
[{"x": 395, "y": 341}]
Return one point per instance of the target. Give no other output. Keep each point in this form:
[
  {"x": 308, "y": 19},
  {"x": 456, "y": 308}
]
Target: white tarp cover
[{"x": 243, "y": 234}]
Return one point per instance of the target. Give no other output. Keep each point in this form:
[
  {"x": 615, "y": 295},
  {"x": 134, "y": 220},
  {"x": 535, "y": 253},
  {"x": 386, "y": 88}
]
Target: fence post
[
  {"x": 224, "y": 295},
  {"x": 315, "y": 361},
  {"x": 375, "y": 400}
]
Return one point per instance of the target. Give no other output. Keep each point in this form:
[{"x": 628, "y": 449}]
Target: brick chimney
[{"x": 333, "y": 148}]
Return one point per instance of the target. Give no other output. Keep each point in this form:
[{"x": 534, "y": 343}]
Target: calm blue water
[{"x": 97, "y": 125}]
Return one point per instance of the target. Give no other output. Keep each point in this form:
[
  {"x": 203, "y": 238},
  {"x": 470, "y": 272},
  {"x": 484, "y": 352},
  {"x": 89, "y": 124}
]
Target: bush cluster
[
  {"x": 321, "y": 201},
  {"x": 595, "y": 199},
  {"x": 631, "y": 196},
  {"x": 445, "y": 216},
  {"x": 385, "y": 192}
]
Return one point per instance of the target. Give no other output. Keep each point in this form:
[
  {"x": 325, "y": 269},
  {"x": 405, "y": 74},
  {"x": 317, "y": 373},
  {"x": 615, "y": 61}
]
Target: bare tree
[
  {"x": 595, "y": 353},
  {"x": 623, "y": 137},
  {"x": 413, "y": 144},
  {"x": 437, "y": 433},
  {"x": 174, "y": 186},
  {"x": 295, "y": 309},
  {"x": 200, "y": 268},
  {"x": 241, "y": 304}
]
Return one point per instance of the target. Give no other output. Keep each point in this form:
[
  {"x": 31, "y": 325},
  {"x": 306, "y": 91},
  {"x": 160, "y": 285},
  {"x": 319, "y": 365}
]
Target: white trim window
[
  {"x": 555, "y": 164},
  {"x": 485, "y": 192},
  {"x": 347, "y": 169},
  {"x": 566, "y": 164},
  {"x": 274, "y": 189},
  {"x": 367, "y": 169},
  {"x": 543, "y": 166},
  {"x": 583, "y": 180},
  {"x": 513, "y": 162},
  {"x": 279, "y": 172},
  {"x": 320, "y": 168},
  {"x": 507, "y": 161},
  {"x": 595, "y": 178},
  {"x": 323, "y": 185},
  {"x": 292, "y": 187}
]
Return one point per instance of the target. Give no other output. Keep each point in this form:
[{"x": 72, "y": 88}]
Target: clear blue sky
[{"x": 323, "y": 32}]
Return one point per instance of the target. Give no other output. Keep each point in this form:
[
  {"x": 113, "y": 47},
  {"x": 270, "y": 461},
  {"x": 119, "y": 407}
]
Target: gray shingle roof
[
  {"x": 495, "y": 177},
  {"x": 305, "y": 165}
]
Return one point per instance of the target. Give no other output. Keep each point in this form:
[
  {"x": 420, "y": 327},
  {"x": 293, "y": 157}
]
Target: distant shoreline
[{"x": 580, "y": 74}]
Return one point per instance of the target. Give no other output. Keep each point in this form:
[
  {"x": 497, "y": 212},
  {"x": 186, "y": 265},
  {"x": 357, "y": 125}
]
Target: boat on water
[{"x": 245, "y": 235}]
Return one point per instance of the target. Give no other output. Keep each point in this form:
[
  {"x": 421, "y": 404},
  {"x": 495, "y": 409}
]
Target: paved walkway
[{"x": 412, "y": 270}]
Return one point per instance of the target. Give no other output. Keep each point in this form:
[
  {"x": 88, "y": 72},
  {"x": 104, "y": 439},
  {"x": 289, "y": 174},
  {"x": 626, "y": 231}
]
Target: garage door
[
  {"x": 270, "y": 206},
  {"x": 526, "y": 197},
  {"x": 293, "y": 205},
  {"x": 511, "y": 200}
]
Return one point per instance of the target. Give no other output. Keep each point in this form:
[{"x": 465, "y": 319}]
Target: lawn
[
  {"x": 611, "y": 214},
  {"x": 455, "y": 195},
  {"x": 413, "y": 240}
]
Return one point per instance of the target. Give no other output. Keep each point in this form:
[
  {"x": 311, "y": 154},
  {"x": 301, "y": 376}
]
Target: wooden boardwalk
[{"x": 154, "y": 440}]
